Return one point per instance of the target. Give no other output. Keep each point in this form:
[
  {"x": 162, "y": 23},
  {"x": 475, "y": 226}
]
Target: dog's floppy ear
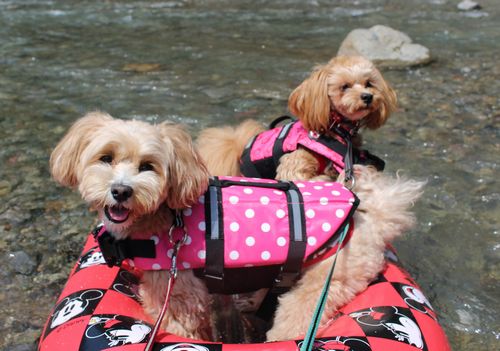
[
  {"x": 187, "y": 174},
  {"x": 387, "y": 106},
  {"x": 66, "y": 155},
  {"x": 310, "y": 102}
]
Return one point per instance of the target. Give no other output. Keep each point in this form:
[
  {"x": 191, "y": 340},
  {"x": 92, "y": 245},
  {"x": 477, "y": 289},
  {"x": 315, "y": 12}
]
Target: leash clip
[
  {"x": 173, "y": 266},
  {"x": 177, "y": 223},
  {"x": 349, "y": 182}
]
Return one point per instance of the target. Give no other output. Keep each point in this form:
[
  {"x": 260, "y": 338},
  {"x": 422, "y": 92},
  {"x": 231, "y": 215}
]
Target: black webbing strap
[
  {"x": 290, "y": 271},
  {"x": 280, "y": 119},
  {"x": 115, "y": 251},
  {"x": 333, "y": 144},
  {"x": 359, "y": 156},
  {"x": 348, "y": 157},
  {"x": 247, "y": 167},
  {"x": 278, "y": 143},
  {"x": 214, "y": 236},
  {"x": 366, "y": 158}
]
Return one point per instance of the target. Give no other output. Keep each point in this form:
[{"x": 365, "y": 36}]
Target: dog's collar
[
  {"x": 345, "y": 129},
  {"x": 342, "y": 125},
  {"x": 115, "y": 251}
]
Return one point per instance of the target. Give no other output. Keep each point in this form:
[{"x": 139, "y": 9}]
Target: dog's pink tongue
[{"x": 118, "y": 213}]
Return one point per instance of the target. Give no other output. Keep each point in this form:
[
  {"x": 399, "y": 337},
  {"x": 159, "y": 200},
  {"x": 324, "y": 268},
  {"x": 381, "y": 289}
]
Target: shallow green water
[{"x": 218, "y": 62}]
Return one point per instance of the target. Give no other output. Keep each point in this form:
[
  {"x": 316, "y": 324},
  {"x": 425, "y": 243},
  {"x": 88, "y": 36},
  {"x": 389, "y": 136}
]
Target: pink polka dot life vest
[{"x": 248, "y": 222}]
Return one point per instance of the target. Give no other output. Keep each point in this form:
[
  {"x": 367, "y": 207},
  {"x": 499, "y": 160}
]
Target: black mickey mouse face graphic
[
  {"x": 91, "y": 258},
  {"x": 75, "y": 305},
  {"x": 114, "y": 330}
]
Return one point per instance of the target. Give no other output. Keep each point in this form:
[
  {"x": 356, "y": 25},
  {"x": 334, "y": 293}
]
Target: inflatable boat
[{"x": 98, "y": 309}]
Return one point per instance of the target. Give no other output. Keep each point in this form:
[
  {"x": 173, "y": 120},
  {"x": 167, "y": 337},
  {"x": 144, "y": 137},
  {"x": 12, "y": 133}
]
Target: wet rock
[
  {"x": 5, "y": 187},
  {"x": 21, "y": 262},
  {"x": 468, "y": 5},
  {"x": 141, "y": 67},
  {"x": 217, "y": 93},
  {"x": 15, "y": 216},
  {"x": 385, "y": 46},
  {"x": 271, "y": 94}
]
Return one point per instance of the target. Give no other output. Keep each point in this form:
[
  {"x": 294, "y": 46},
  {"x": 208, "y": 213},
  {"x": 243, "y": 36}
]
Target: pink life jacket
[
  {"x": 262, "y": 154},
  {"x": 242, "y": 223}
]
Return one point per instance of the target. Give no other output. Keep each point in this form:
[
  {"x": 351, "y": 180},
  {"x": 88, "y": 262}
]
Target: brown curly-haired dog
[
  {"x": 134, "y": 173},
  {"x": 347, "y": 87}
]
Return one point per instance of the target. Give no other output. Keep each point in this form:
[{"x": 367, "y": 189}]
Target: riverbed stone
[
  {"x": 5, "y": 187},
  {"x": 468, "y": 5},
  {"x": 385, "y": 46},
  {"x": 141, "y": 67},
  {"x": 21, "y": 262}
]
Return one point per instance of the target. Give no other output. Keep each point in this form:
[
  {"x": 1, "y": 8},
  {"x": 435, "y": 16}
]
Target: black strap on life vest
[
  {"x": 281, "y": 276},
  {"x": 363, "y": 157},
  {"x": 280, "y": 119},
  {"x": 266, "y": 168},
  {"x": 115, "y": 251}
]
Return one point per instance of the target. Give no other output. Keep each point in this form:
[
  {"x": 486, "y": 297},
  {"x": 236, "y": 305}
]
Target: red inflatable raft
[{"x": 99, "y": 310}]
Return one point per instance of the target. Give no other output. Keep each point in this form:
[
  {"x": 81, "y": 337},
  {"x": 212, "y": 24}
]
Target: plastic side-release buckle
[{"x": 112, "y": 250}]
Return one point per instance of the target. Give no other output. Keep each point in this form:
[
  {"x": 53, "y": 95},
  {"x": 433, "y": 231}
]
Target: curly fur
[
  {"x": 161, "y": 166},
  {"x": 383, "y": 215}
]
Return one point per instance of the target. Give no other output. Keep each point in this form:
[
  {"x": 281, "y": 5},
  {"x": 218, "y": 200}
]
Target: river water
[{"x": 207, "y": 63}]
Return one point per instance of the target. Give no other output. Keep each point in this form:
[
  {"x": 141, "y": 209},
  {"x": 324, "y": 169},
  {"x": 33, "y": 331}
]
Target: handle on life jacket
[
  {"x": 278, "y": 185},
  {"x": 214, "y": 236},
  {"x": 280, "y": 119}
]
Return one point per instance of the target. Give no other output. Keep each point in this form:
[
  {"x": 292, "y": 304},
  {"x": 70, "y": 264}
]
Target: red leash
[{"x": 171, "y": 280}]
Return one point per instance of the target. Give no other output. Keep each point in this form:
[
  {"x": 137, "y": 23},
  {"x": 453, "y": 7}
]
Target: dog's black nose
[
  {"x": 367, "y": 98},
  {"x": 121, "y": 192}
]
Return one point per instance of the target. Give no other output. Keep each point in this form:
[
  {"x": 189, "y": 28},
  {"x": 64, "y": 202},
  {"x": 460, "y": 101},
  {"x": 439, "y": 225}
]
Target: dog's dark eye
[
  {"x": 145, "y": 166},
  {"x": 345, "y": 87},
  {"x": 106, "y": 159},
  {"x": 368, "y": 84}
]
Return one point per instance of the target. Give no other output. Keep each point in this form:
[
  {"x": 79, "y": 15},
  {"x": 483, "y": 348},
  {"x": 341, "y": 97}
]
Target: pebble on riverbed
[
  {"x": 21, "y": 262},
  {"x": 141, "y": 67}
]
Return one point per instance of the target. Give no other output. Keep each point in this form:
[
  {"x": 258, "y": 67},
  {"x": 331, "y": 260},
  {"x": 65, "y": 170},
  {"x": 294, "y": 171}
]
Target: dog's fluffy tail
[
  {"x": 387, "y": 200},
  {"x": 221, "y": 148}
]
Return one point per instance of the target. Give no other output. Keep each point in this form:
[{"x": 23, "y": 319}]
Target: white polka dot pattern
[
  {"x": 256, "y": 225},
  {"x": 250, "y": 241},
  {"x": 234, "y": 255},
  {"x": 281, "y": 241}
]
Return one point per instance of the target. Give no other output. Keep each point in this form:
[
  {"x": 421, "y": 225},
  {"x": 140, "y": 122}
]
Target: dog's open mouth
[{"x": 117, "y": 213}]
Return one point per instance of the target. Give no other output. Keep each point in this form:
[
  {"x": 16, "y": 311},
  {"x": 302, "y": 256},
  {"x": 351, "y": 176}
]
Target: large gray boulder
[
  {"x": 384, "y": 46},
  {"x": 468, "y": 5}
]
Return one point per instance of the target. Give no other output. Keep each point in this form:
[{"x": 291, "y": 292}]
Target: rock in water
[
  {"x": 21, "y": 262},
  {"x": 385, "y": 46},
  {"x": 468, "y": 5}
]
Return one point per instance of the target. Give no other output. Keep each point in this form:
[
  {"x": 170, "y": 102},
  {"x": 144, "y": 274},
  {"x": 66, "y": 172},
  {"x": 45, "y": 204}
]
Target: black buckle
[
  {"x": 284, "y": 281},
  {"x": 112, "y": 249}
]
